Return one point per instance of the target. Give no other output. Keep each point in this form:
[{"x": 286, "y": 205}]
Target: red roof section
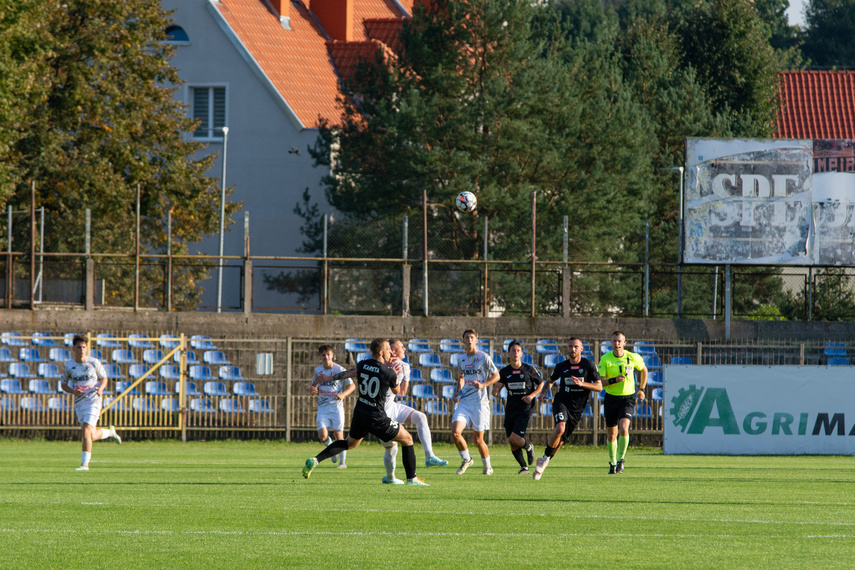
[
  {"x": 348, "y": 55},
  {"x": 386, "y": 30},
  {"x": 371, "y": 10},
  {"x": 816, "y": 105}
]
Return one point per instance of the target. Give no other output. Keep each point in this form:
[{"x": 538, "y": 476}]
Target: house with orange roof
[
  {"x": 816, "y": 105},
  {"x": 269, "y": 71}
]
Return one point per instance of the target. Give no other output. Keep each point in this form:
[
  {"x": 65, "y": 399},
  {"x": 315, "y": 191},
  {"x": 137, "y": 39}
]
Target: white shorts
[
  {"x": 474, "y": 414},
  {"x": 88, "y": 410},
  {"x": 331, "y": 417},
  {"x": 399, "y": 412}
]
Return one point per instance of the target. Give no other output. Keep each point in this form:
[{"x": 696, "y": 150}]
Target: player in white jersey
[
  {"x": 331, "y": 397},
  {"x": 473, "y": 404},
  {"x": 403, "y": 414},
  {"x": 84, "y": 377}
]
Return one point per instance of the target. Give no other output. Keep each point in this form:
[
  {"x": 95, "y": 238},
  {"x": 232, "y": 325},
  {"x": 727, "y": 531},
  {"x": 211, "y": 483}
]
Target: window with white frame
[{"x": 209, "y": 107}]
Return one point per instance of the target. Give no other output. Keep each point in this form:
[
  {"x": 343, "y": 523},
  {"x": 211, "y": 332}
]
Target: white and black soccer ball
[{"x": 466, "y": 202}]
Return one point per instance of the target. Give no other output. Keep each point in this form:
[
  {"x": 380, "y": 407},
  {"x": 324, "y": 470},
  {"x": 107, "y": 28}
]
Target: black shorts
[
  {"x": 617, "y": 408},
  {"x": 517, "y": 423},
  {"x": 381, "y": 426},
  {"x": 561, "y": 413}
]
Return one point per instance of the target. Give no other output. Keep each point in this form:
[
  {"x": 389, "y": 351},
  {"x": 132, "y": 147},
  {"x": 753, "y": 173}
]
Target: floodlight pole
[
  {"x": 679, "y": 242},
  {"x": 222, "y": 222}
]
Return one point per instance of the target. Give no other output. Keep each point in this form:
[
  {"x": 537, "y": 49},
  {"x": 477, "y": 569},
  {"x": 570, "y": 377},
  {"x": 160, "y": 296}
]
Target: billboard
[
  {"x": 759, "y": 410},
  {"x": 770, "y": 201}
]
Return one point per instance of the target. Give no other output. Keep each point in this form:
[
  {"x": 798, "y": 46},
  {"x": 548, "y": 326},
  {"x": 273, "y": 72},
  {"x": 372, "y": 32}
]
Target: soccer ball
[{"x": 466, "y": 202}]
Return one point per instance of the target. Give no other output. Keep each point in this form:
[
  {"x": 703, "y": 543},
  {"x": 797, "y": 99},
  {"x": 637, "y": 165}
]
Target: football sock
[
  {"x": 464, "y": 455},
  {"x": 622, "y": 444},
  {"x": 328, "y": 440},
  {"x": 107, "y": 433},
  {"x": 342, "y": 457},
  {"x": 408, "y": 458},
  {"x": 550, "y": 452},
  {"x": 389, "y": 456},
  {"x": 518, "y": 455},
  {"x": 84, "y": 458},
  {"x": 486, "y": 461},
  {"x": 420, "y": 420},
  {"x": 334, "y": 448},
  {"x": 612, "y": 447}
]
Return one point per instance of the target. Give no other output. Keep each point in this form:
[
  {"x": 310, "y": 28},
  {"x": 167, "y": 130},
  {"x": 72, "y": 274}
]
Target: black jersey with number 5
[
  {"x": 573, "y": 396},
  {"x": 373, "y": 381}
]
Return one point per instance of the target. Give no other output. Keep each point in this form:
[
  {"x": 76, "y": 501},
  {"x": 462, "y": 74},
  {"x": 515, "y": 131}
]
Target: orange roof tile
[
  {"x": 816, "y": 104},
  {"x": 296, "y": 61},
  {"x": 369, "y": 10},
  {"x": 348, "y": 55},
  {"x": 386, "y": 30}
]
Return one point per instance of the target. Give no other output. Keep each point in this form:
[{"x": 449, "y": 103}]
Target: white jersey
[
  {"x": 389, "y": 406},
  {"x": 328, "y": 390},
  {"x": 86, "y": 375},
  {"x": 476, "y": 368}
]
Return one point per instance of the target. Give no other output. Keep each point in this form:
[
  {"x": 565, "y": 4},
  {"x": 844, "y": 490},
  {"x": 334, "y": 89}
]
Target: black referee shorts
[{"x": 618, "y": 407}]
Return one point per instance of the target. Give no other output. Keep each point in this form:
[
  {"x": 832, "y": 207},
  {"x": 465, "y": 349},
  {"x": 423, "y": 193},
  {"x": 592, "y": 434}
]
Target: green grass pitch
[{"x": 245, "y": 505}]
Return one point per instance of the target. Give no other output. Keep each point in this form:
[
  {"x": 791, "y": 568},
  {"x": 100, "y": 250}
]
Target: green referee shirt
[{"x": 612, "y": 366}]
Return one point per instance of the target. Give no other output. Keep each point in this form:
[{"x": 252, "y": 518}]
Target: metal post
[
  {"x": 424, "y": 251},
  {"x": 137, "y": 257},
  {"x": 485, "y": 305},
  {"x": 533, "y": 246},
  {"x": 89, "y": 295},
  {"x": 222, "y": 221},
  {"x": 405, "y": 269},
  {"x": 680, "y": 250},
  {"x": 325, "y": 302},
  {"x": 247, "y": 268},
  {"x": 565, "y": 271},
  {"x": 41, "y": 278},
  {"x": 810, "y": 293},
  {"x": 647, "y": 268},
  {"x": 715, "y": 292},
  {"x": 728, "y": 300},
  {"x": 289, "y": 399},
  {"x": 32, "y": 245},
  {"x": 10, "y": 280},
  {"x": 169, "y": 260}
]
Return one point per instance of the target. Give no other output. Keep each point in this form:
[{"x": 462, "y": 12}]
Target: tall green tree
[
  {"x": 99, "y": 121},
  {"x": 829, "y": 40}
]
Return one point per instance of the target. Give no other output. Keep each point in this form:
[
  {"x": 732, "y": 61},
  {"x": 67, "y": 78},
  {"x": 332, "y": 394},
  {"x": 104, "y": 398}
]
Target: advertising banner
[
  {"x": 833, "y": 184},
  {"x": 759, "y": 410}
]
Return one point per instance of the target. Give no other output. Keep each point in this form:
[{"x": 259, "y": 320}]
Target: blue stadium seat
[
  {"x": 30, "y": 355},
  {"x": 244, "y": 389},
  {"x": 416, "y": 375},
  {"x": 59, "y": 355},
  {"x": 605, "y": 346},
  {"x": 360, "y": 356},
  {"x": 170, "y": 372},
  {"x": 12, "y": 339},
  {"x": 201, "y": 405},
  {"x": 450, "y": 345},
  {"x": 528, "y": 359},
  {"x": 169, "y": 341},
  {"x": 123, "y": 356},
  {"x": 118, "y": 407},
  {"x": 835, "y": 349},
  {"x": 838, "y": 361},
  {"x": 31, "y": 404},
  {"x": 681, "y": 360},
  {"x": 157, "y": 388},
  {"x": 58, "y": 404},
  {"x": 652, "y": 361},
  {"x": 643, "y": 411},
  {"x": 429, "y": 359},
  {"x": 11, "y": 386},
  {"x": 40, "y": 386},
  {"x": 201, "y": 342},
  {"x": 201, "y": 373},
  {"x": 113, "y": 371},
  {"x": 546, "y": 409},
  {"x": 419, "y": 345},
  {"x": 454, "y": 359},
  {"x": 152, "y": 356},
  {"x": 190, "y": 386},
  {"x": 139, "y": 341},
  {"x": 643, "y": 347},
  {"x": 48, "y": 370},
  {"x": 654, "y": 378},
  {"x": 441, "y": 375},
  {"x": 423, "y": 391},
  {"x": 656, "y": 394},
  {"x": 122, "y": 385},
  {"x": 448, "y": 391},
  {"x": 191, "y": 357},
  {"x": 143, "y": 405},
  {"x": 215, "y": 358},
  {"x": 229, "y": 373},
  {"x": 497, "y": 360},
  {"x": 6, "y": 355},
  {"x": 547, "y": 346},
  {"x": 215, "y": 389},
  {"x": 231, "y": 406},
  {"x": 137, "y": 370},
  {"x": 436, "y": 408},
  {"x": 96, "y": 354},
  {"x": 169, "y": 405},
  {"x": 68, "y": 339},
  {"x": 551, "y": 360},
  {"x": 483, "y": 346},
  {"x": 107, "y": 340},
  {"x": 355, "y": 345},
  {"x": 260, "y": 406},
  {"x": 43, "y": 339},
  {"x": 20, "y": 370},
  {"x": 587, "y": 413},
  {"x": 8, "y": 405}
]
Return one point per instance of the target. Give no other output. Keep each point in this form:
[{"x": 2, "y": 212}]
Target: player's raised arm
[{"x": 324, "y": 378}]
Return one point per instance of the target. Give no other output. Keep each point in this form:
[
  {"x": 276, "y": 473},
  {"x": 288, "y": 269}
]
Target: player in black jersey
[
  {"x": 373, "y": 380},
  {"x": 524, "y": 385},
  {"x": 576, "y": 378}
]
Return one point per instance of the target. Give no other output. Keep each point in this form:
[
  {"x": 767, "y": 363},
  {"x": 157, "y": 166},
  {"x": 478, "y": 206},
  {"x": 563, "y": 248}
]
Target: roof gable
[{"x": 816, "y": 105}]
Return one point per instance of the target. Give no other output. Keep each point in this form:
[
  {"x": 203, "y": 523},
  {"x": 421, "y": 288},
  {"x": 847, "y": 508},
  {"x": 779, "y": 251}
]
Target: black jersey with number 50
[{"x": 373, "y": 381}]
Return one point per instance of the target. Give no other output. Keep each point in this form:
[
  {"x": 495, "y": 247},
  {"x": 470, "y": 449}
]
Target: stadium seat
[
  {"x": 118, "y": 407},
  {"x": 547, "y": 346},
  {"x": 681, "y": 360},
  {"x": 96, "y": 354},
  {"x": 48, "y": 370},
  {"x": 231, "y": 406},
  {"x": 169, "y": 341},
  {"x": 643, "y": 347},
  {"x": 170, "y": 372},
  {"x": 11, "y": 386},
  {"x": 605, "y": 346},
  {"x": 31, "y": 404},
  {"x": 652, "y": 361},
  {"x": 20, "y": 370},
  {"x": 122, "y": 385},
  {"x": 40, "y": 386},
  {"x": 587, "y": 413},
  {"x": 450, "y": 345},
  {"x": 508, "y": 342},
  {"x": 201, "y": 342},
  {"x": 429, "y": 359},
  {"x": 551, "y": 360},
  {"x": 546, "y": 409},
  {"x": 244, "y": 389},
  {"x": 528, "y": 359},
  {"x": 191, "y": 388},
  {"x": 483, "y": 346},
  {"x": 30, "y": 355},
  {"x": 123, "y": 356},
  {"x": 107, "y": 340},
  {"x": 59, "y": 355},
  {"x": 586, "y": 349},
  {"x": 454, "y": 359},
  {"x": 139, "y": 341},
  {"x": 643, "y": 411},
  {"x": 137, "y": 370},
  {"x": 213, "y": 388},
  {"x": 191, "y": 357},
  {"x": 498, "y": 409},
  {"x": 654, "y": 378},
  {"x": 419, "y": 345},
  {"x": 201, "y": 405},
  {"x": 229, "y": 373},
  {"x": 835, "y": 349},
  {"x": 656, "y": 394},
  {"x": 497, "y": 360},
  {"x": 424, "y": 391},
  {"x": 441, "y": 375},
  {"x": 143, "y": 405},
  {"x": 169, "y": 405},
  {"x": 68, "y": 339},
  {"x": 114, "y": 372},
  {"x": 215, "y": 358},
  {"x": 436, "y": 408},
  {"x": 157, "y": 388},
  {"x": 355, "y": 345},
  {"x": 360, "y": 356},
  {"x": 12, "y": 339},
  {"x": 838, "y": 361},
  {"x": 448, "y": 391},
  {"x": 416, "y": 375},
  {"x": 201, "y": 373},
  {"x": 43, "y": 339},
  {"x": 260, "y": 406},
  {"x": 58, "y": 404},
  {"x": 8, "y": 405},
  {"x": 6, "y": 355},
  {"x": 152, "y": 356}
]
